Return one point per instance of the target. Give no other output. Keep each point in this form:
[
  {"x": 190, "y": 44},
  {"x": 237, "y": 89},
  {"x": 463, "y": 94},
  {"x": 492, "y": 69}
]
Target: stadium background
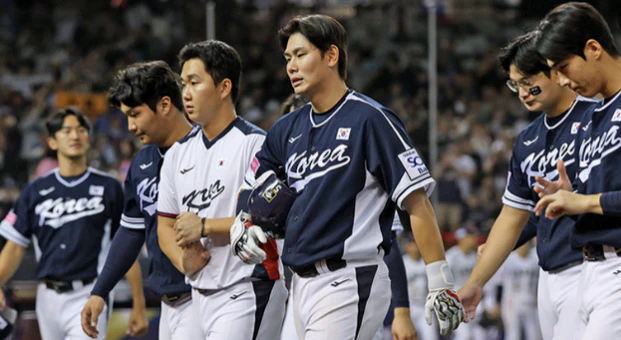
[{"x": 65, "y": 52}]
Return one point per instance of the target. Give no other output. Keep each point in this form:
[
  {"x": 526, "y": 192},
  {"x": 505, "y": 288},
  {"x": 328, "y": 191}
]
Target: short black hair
[
  {"x": 55, "y": 122},
  {"x": 522, "y": 52},
  {"x": 567, "y": 28},
  {"x": 322, "y": 31},
  {"x": 146, "y": 83},
  {"x": 220, "y": 59},
  {"x": 294, "y": 100}
]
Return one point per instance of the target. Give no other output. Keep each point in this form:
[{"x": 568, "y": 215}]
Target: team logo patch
[
  {"x": 617, "y": 116},
  {"x": 412, "y": 163},
  {"x": 343, "y": 134},
  {"x": 254, "y": 165},
  {"x": 270, "y": 193},
  {"x": 10, "y": 218},
  {"x": 574, "y": 127},
  {"x": 96, "y": 190},
  {"x": 221, "y": 162}
]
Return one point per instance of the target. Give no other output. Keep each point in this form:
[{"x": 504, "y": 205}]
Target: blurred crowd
[{"x": 53, "y": 46}]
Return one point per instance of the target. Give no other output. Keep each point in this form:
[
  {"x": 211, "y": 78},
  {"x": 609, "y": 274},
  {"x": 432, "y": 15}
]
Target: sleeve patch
[
  {"x": 413, "y": 163},
  {"x": 10, "y": 218},
  {"x": 254, "y": 165}
]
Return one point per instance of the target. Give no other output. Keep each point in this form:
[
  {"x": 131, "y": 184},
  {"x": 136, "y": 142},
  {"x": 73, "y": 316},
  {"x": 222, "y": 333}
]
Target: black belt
[
  {"x": 64, "y": 286},
  {"x": 595, "y": 252},
  {"x": 311, "y": 271},
  {"x": 174, "y": 299},
  {"x": 564, "y": 267}
]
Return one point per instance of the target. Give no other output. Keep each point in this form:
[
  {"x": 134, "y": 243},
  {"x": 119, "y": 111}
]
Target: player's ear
[
  {"x": 332, "y": 54},
  {"x": 225, "y": 86},
  {"x": 52, "y": 143},
  {"x": 164, "y": 106},
  {"x": 592, "y": 49}
]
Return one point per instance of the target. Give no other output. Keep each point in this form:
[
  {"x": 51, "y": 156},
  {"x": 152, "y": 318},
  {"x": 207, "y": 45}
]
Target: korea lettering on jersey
[
  {"x": 70, "y": 223},
  {"x": 599, "y": 157},
  {"x": 140, "y": 212},
  {"x": 535, "y": 153},
  {"x": 349, "y": 170},
  {"x": 203, "y": 177}
]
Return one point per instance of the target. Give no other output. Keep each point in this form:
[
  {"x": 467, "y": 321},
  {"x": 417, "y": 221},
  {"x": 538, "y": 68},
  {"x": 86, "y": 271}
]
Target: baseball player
[
  {"x": 70, "y": 216},
  {"x": 519, "y": 275},
  {"x": 549, "y": 138},
  {"x": 350, "y": 162},
  {"x": 462, "y": 257},
  {"x": 417, "y": 290},
  {"x": 149, "y": 95},
  {"x": 577, "y": 44},
  {"x": 200, "y": 178}
]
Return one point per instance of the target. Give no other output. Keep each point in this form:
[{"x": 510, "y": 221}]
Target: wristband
[
  {"x": 203, "y": 227},
  {"x": 439, "y": 276}
]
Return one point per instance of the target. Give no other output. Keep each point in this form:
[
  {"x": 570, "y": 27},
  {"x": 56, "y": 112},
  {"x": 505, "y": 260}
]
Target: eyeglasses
[{"x": 514, "y": 86}]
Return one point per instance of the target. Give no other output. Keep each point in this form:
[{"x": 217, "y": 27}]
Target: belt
[
  {"x": 595, "y": 252},
  {"x": 64, "y": 286},
  {"x": 176, "y": 299},
  {"x": 562, "y": 268},
  {"x": 310, "y": 270}
]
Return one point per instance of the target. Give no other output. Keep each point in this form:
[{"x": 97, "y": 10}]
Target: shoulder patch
[{"x": 412, "y": 163}]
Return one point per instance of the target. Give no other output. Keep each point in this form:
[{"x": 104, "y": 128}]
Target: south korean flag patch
[
  {"x": 413, "y": 163},
  {"x": 575, "y": 127},
  {"x": 616, "y": 117}
]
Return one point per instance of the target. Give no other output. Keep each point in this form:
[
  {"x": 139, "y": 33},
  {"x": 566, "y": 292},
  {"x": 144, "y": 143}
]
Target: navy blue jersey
[
  {"x": 350, "y": 171},
  {"x": 141, "y": 189},
  {"x": 535, "y": 153},
  {"x": 70, "y": 223},
  {"x": 599, "y": 158}
]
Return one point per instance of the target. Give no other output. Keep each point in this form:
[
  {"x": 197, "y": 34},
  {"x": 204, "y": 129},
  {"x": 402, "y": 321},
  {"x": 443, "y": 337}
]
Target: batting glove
[
  {"x": 246, "y": 239},
  {"x": 442, "y": 298}
]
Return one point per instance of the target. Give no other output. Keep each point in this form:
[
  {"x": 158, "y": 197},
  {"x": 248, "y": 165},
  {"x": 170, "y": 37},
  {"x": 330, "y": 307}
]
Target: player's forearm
[
  {"x": 424, "y": 226},
  {"x": 166, "y": 240},
  {"x": 501, "y": 241},
  {"x": 10, "y": 259},
  {"x": 134, "y": 278},
  {"x": 219, "y": 226}
]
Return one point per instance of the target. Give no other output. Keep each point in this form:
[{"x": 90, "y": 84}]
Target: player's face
[
  {"x": 578, "y": 74},
  {"x": 143, "y": 122},
  {"x": 201, "y": 96},
  {"x": 524, "y": 83},
  {"x": 305, "y": 65},
  {"x": 72, "y": 140}
]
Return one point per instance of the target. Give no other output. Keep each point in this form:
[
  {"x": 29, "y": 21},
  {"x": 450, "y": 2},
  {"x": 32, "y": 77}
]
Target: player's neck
[
  {"x": 221, "y": 120},
  {"x": 68, "y": 167},
  {"x": 612, "y": 83},
  {"x": 327, "y": 96},
  {"x": 562, "y": 104},
  {"x": 180, "y": 128}
]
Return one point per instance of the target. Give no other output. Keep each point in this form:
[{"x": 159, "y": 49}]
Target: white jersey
[
  {"x": 204, "y": 177},
  {"x": 417, "y": 280},
  {"x": 520, "y": 276},
  {"x": 461, "y": 264}
]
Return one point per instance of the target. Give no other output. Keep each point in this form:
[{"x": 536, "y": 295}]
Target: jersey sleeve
[
  {"x": 132, "y": 217},
  {"x": 393, "y": 160},
  {"x": 166, "y": 197},
  {"x": 116, "y": 207},
  {"x": 269, "y": 156},
  {"x": 517, "y": 193},
  {"x": 15, "y": 226}
]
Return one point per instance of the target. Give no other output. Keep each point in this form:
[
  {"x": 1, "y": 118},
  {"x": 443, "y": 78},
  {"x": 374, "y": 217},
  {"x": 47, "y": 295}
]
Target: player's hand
[
  {"x": 548, "y": 187},
  {"x": 448, "y": 308},
  {"x": 442, "y": 298},
  {"x": 402, "y": 326},
  {"x": 480, "y": 250},
  {"x": 470, "y": 295},
  {"x": 187, "y": 228},
  {"x": 245, "y": 240},
  {"x": 194, "y": 257},
  {"x": 564, "y": 203},
  {"x": 138, "y": 322},
  {"x": 90, "y": 315}
]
